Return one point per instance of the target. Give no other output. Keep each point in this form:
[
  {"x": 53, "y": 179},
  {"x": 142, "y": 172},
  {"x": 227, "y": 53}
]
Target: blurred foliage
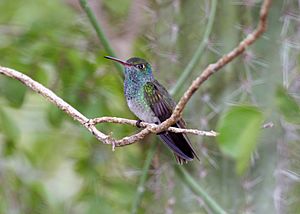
[
  {"x": 288, "y": 106},
  {"x": 239, "y": 129},
  {"x": 49, "y": 164}
]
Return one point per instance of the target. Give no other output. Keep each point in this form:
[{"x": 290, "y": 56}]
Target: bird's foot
[{"x": 138, "y": 123}]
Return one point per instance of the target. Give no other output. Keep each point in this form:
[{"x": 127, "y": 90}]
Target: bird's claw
[{"x": 138, "y": 123}]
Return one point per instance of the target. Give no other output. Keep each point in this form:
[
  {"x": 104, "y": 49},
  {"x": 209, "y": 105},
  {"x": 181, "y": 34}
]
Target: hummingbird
[{"x": 152, "y": 103}]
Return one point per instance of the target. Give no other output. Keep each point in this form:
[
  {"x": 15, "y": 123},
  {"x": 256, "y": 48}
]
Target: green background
[{"x": 51, "y": 164}]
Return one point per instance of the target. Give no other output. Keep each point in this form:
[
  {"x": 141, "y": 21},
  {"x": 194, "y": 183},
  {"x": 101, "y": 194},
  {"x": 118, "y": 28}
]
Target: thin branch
[
  {"x": 212, "y": 68},
  {"x": 189, "y": 68},
  {"x": 56, "y": 100},
  {"x": 150, "y": 125}
]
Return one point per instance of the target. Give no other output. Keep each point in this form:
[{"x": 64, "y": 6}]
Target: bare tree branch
[
  {"x": 148, "y": 128},
  {"x": 150, "y": 125},
  {"x": 56, "y": 100},
  {"x": 212, "y": 68},
  {"x": 90, "y": 123}
]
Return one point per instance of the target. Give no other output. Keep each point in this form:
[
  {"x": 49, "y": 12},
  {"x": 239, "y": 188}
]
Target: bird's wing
[
  {"x": 159, "y": 100},
  {"x": 162, "y": 105}
]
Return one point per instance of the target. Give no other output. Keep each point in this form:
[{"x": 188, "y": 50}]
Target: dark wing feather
[
  {"x": 158, "y": 101},
  {"x": 162, "y": 105}
]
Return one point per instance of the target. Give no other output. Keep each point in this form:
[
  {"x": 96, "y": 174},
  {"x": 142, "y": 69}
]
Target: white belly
[{"x": 142, "y": 111}]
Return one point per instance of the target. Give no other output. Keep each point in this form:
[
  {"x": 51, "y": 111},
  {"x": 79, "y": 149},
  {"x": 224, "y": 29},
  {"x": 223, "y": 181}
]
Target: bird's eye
[{"x": 140, "y": 66}]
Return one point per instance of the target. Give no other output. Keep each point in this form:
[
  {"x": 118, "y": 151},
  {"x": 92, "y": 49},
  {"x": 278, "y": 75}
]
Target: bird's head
[{"x": 135, "y": 68}]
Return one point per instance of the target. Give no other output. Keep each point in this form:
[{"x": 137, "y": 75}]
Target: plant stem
[
  {"x": 198, "y": 190},
  {"x": 189, "y": 68},
  {"x": 140, "y": 189},
  {"x": 101, "y": 36}
]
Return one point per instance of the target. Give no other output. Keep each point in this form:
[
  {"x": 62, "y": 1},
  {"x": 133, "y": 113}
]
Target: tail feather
[
  {"x": 180, "y": 145},
  {"x": 179, "y": 150},
  {"x": 180, "y": 160}
]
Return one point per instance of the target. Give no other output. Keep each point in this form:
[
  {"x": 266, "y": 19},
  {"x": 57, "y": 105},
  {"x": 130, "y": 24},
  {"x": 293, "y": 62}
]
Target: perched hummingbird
[{"x": 152, "y": 103}]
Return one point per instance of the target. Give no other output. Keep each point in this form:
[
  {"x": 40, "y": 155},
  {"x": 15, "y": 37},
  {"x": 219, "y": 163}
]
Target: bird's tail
[{"x": 180, "y": 145}]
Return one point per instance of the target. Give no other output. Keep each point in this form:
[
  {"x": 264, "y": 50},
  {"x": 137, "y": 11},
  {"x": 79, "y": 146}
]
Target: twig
[
  {"x": 53, "y": 98},
  {"x": 150, "y": 125},
  {"x": 189, "y": 68}
]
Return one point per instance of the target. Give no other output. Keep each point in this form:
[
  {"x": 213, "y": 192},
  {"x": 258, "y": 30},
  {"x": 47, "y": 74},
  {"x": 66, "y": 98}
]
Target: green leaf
[
  {"x": 287, "y": 106},
  {"x": 239, "y": 128}
]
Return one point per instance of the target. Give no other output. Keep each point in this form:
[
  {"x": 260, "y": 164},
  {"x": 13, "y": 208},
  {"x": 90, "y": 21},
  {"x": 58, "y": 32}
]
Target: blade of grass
[
  {"x": 198, "y": 190},
  {"x": 140, "y": 189},
  {"x": 101, "y": 36},
  {"x": 189, "y": 68}
]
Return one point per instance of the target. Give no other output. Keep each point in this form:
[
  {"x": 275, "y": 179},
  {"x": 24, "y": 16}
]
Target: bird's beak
[{"x": 118, "y": 60}]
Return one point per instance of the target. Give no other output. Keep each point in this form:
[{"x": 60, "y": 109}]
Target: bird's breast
[
  {"x": 142, "y": 110},
  {"x": 138, "y": 105}
]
